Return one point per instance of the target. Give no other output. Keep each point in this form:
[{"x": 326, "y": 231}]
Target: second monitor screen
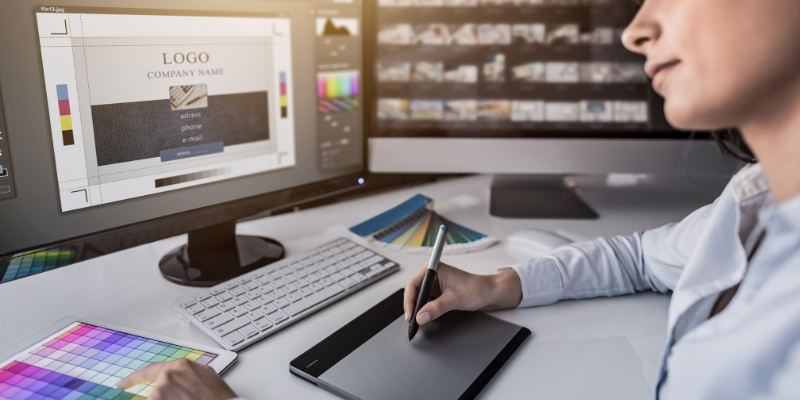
[{"x": 505, "y": 68}]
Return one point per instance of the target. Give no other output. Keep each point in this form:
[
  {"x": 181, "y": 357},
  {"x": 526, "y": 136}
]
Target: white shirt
[{"x": 750, "y": 349}]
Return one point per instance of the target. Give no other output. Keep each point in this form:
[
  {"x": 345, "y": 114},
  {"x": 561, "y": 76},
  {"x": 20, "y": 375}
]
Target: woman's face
[{"x": 719, "y": 63}]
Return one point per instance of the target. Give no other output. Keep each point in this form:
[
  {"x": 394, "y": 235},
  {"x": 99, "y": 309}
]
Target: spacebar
[{"x": 316, "y": 298}]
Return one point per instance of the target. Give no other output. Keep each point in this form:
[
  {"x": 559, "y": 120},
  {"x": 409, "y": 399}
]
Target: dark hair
[{"x": 732, "y": 144}]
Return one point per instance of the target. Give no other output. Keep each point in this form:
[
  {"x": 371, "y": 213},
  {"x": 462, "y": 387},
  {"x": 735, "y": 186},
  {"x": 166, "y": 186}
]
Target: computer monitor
[
  {"x": 150, "y": 119},
  {"x": 518, "y": 87}
]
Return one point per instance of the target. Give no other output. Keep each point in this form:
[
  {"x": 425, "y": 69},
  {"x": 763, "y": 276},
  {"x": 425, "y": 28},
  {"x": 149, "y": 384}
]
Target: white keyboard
[{"x": 242, "y": 311}]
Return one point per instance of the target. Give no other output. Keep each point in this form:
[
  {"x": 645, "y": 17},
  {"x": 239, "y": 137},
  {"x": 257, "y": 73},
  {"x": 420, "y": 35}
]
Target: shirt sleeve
[{"x": 650, "y": 260}]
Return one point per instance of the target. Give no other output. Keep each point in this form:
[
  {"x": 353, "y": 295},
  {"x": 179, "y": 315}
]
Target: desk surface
[{"x": 605, "y": 348}]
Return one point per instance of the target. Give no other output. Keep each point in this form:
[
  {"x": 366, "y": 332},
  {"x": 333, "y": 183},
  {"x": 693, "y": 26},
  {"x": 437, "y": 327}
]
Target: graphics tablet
[
  {"x": 79, "y": 358},
  {"x": 371, "y": 358}
]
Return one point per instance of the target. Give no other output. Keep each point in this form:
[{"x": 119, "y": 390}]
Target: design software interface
[
  {"x": 143, "y": 101},
  {"x": 458, "y": 67}
]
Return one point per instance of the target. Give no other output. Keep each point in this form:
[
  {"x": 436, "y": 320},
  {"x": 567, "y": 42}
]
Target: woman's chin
[{"x": 687, "y": 118}]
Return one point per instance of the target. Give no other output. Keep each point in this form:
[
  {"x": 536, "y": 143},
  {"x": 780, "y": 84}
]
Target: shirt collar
[{"x": 749, "y": 182}]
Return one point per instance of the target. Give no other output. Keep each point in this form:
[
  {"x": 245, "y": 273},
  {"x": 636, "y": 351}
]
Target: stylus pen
[{"x": 427, "y": 282}]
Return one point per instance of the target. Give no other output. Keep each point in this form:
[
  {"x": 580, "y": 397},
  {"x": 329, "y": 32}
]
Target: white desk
[{"x": 604, "y": 348}]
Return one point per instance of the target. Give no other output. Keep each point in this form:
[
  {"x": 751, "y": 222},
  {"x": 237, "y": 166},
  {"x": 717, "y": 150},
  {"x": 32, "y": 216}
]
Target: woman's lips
[{"x": 658, "y": 72}]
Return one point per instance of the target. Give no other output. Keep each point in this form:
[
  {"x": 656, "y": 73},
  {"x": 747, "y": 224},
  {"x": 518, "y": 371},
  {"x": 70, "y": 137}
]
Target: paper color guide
[
  {"x": 65, "y": 114},
  {"x": 84, "y": 362},
  {"x": 413, "y": 226}
]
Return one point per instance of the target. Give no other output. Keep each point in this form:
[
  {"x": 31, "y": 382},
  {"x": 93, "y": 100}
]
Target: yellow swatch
[{"x": 66, "y": 122}]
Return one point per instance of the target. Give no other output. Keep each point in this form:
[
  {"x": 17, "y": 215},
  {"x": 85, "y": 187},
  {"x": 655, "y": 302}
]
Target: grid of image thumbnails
[
  {"x": 85, "y": 362},
  {"x": 503, "y": 67}
]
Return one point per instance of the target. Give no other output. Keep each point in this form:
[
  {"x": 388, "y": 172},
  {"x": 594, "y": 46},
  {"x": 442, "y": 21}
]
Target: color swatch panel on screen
[
  {"x": 284, "y": 98},
  {"x": 331, "y": 85},
  {"x": 65, "y": 115},
  {"x": 84, "y": 362}
]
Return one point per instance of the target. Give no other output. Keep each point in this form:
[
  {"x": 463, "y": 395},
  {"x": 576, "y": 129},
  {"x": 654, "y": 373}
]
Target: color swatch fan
[{"x": 412, "y": 226}]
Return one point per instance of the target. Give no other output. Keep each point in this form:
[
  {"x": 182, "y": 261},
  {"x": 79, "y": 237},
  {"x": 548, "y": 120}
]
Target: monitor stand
[
  {"x": 536, "y": 196},
  {"x": 216, "y": 254}
]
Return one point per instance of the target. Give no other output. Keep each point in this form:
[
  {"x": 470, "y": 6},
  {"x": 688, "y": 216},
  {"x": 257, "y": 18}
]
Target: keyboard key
[
  {"x": 243, "y": 280},
  {"x": 251, "y": 285},
  {"x": 255, "y": 316},
  {"x": 301, "y": 274},
  {"x": 263, "y": 324},
  {"x": 277, "y": 294},
  {"x": 237, "y": 291},
  {"x": 293, "y": 297},
  {"x": 233, "y": 339},
  {"x": 358, "y": 277},
  {"x": 231, "y": 326},
  {"x": 266, "y": 300},
  {"x": 218, "y": 320},
  {"x": 269, "y": 309},
  {"x": 239, "y": 300},
  {"x": 316, "y": 286},
  {"x": 286, "y": 270},
  {"x": 290, "y": 287},
  {"x": 278, "y": 283},
  {"x": 263, "y": 281},
  {"x": 289, "y": 278},
  {"x": 187, "y": 304},
  {"x": 277, "y": 317},
  {"x": 226, "y": 306},
  {"x": 275, "y": 275},
  {"x": 210, "y": 303},
  {"x": 314, "y": 299},
  {"x": 312, "y": 278},
  {"x": 231, "y": 286},
  {"x": 195, "y": 309},
  {"x": 370, "y": 274},
  {"x": 257, "y": 275},
  {"x": 203, "y": 297},
  {"x": 265, "y": 289},
  {"x": 224, "y": 297},
  {"x": 327, "y": 281},
  {"x": 239, "y": 312},
  {"x": 248, "y": 331},
  {"x": 348, "y": 282},
  {"x": 253, "y": 295},
  {"x": 323, "y": 274},
  {"x": 301, "y": 283},
  {"x": 252, "y": 305},
  {"x": 217, "y": 291},
  {"x": 305, "y": 292},
  {"x": 337, "y": 277},
  {"x": 347, "y": 271},
  {"x": 282, "y": 302},
  {"x": 207, "y": 314}
]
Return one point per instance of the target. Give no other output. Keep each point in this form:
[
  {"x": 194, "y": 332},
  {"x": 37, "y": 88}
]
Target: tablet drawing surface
[{"x": 440, "y": 363}]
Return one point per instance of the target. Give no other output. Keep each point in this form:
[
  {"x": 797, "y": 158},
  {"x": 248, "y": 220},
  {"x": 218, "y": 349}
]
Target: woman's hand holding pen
[{"x": 454, "y": 289}]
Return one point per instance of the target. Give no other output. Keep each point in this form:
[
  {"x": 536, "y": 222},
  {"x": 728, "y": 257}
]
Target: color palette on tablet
[{"x": 85, "y": 362}]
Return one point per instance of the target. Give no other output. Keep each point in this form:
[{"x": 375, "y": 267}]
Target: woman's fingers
[{"x": 436, "y": 308}]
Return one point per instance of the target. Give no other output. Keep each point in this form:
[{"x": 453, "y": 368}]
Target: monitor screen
[
  {"x": 509, "y": 68},
  {"x": 114, "y": 116}
]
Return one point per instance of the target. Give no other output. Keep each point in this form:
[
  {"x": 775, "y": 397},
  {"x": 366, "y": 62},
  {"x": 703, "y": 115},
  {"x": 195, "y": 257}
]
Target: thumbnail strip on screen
[{"x": 137, "y": 101}]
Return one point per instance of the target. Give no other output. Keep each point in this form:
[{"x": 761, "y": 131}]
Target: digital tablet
[
  {"x": 80, "y": 358},
  {"x": 371, "y": 358}
]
